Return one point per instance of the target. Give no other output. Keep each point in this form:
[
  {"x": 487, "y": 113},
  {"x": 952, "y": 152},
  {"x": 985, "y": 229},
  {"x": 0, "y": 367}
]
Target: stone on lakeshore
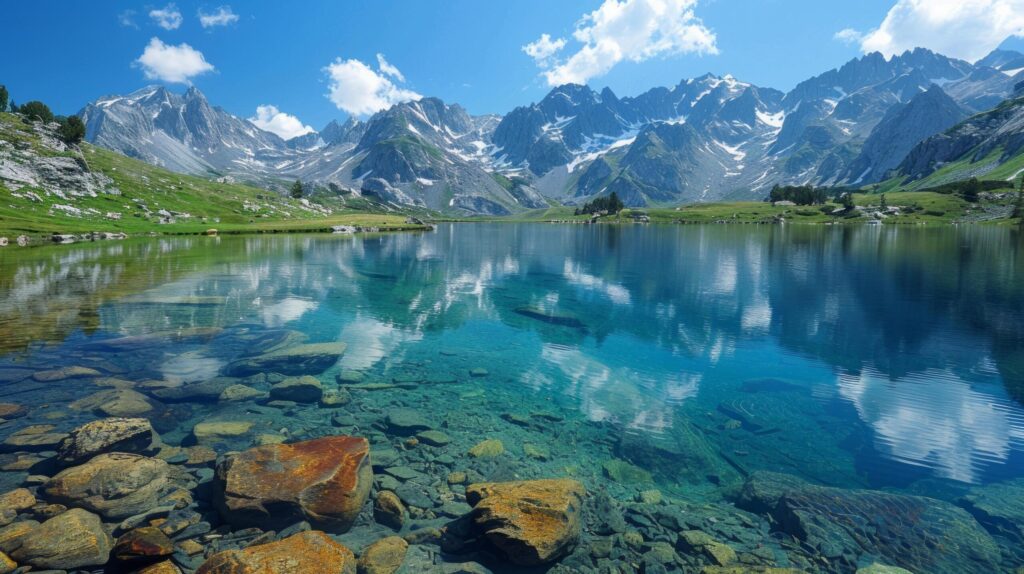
[
  {"x": 324, "y": 480},
  {"x": 406, "y": 422},
  {"x": 115, "y": 403},
  {"x": 305, "y": 389},
  {"x": 847, "y": 524},
  {"x": 115, "y": 485},
  {"x": 217, "y": 431},
  {"x": 622, "y": 472},
  {"x": 489, "y": 448},
  {"x": 34, "y": 438},
  {"x": 64, "y": 373},
  {"x": 307, "y": 359},
  {"x": 384, "y": 556},
  {"x": 142, "y": 544},
  {"x": 335, "y": 398},
  {"x": 74, "y": 539},
  {"x": 235, "y": 393},
  {"x": 106, "y": 435},
  {"x": 389, "y": 510},
  {"x": 697, "y": 542},
  {"x": 531, "y": 522},
  {"x": 309, "y": 552},
  {"x": 433, "y": 438},
  {"x": 10, "y": 411},
  {"x": 18, "y": 500}
]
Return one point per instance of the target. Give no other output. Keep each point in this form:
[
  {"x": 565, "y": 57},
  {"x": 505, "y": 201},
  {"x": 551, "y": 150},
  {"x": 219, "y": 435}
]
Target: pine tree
[
  {"x": 36, "y": 110},
  {"x": 296, "y": 190},
  {"x": 885, "y": 204},
  {"x": 4, "y": 96},
  {"x": 72, "y": 130},
  {"x": 847, "y": 201}
]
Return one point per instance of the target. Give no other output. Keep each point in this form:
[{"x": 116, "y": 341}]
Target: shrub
[{"x": 36, "y": 110}]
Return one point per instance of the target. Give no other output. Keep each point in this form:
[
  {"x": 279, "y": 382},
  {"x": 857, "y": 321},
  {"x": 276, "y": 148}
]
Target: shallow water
[{"x": 860, "y": 358}]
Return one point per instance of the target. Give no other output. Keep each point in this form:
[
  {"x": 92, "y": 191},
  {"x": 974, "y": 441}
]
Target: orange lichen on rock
[
  {"x": 311, "y": 552},
  {"x": 325, "y": 481},
  {"x": 532, "y": 522}
]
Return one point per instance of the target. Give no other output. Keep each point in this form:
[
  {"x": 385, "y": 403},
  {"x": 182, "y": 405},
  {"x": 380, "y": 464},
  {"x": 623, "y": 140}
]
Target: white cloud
[
  {"x": 848, "y": 36},
  {"x": 634, "y": 30},
  {"x": 543, "y": 49},
  {"x": 175, "y": 64},
  {"x": 967, "y": 29},
  {"x": 359, "y": 90},
  {"x": 168, "y": 17},
  {"x": 222, "y": 17},
  {"x": 127, "y": 19},
  {"x": 388, "y": 69},
  {"x": 275, "y": 121}
]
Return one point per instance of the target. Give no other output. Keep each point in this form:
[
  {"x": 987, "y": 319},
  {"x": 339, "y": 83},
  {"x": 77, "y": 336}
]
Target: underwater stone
[
  {"x": 115, "y": 485},
  {"x": 324, "y": 480},
  {"x": 384, "y": 556},
  {"x": 310, "y": 552},
  {"x": 215, "y": 431},
  {"x": 489, "y": 448},
  {"x": 205, "y": 391},
  {"x": 349, "y": 377},
  {"x": 1000, "y": 507},
  {"x": 389, "y": 510},
  {"x": 73, "y": 539},
  {"x": 305, "y": 389},
  {"x": 12, "y": 411},
  {"x": 335, "y": 398},
  {"x": 240, "y": 393},
  {"x": 531, "y": 522},
  {"x": 142, "y": 544},
  {"x": 34, "y": 438},
  {"x": 623, "y": 472},
  {"x": 18, "y": 500},
  {"x": 433, "y": 438},
  {"x": 406, "y": 422},
  {"x": 307, "y": 359},
  {"x": 115, "y": 403},
  {"x": 697, "y": 542},
  {"x": 132, "y": 435},
  {"x": 65, "y": 373}
]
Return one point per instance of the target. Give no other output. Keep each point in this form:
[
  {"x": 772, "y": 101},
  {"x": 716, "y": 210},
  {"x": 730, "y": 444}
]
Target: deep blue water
[{"x": 883, "y": 358}]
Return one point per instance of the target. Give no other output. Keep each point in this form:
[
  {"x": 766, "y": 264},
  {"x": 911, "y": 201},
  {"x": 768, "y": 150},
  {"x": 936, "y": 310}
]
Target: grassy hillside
[{"x": 146, "y": 189}]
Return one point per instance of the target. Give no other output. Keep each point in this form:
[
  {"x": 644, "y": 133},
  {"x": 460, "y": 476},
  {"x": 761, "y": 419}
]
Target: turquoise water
[{"x": 859, "y": 358}]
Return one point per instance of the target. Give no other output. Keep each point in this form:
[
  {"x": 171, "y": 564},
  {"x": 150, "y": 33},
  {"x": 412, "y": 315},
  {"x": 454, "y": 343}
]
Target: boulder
[
  {"x": 115, "y": 403},
  {"x": 236, "y": 392},
  {"x": 12, "y": 535},
  {"x": 307, "y": 359},
  {"x": 18, "y": 500},
  {"x": 34, "y": 438},
  {"x": 304, "y": 389},
  {"x": 324, "y": 480},
  {"x": 115, "y": 485},
  {"x": 106, "y": 435},
  {"x": 65, "y": 373},
  {"x": 848, "y": 525},
  {"x": 999, "y": 507},
  {"x": 489, "y": 448},
  {"x": 406, "y": 422},
  {"x": 308, "y": 552},
  {"x": 165, "y": 567},
  {"x": 12, "y": 411},
  {"x": 384, "y": 556},
  {"x": 6, "y": 564},
  {"x": 531, "y": 522},
  {"x": 389, "y": 510},
  {"x": 74, "y": 539},
  {"x": 144, "y": 544},
  {"x": 219, "y": 431},
  {"x": 202, "y": 392}
]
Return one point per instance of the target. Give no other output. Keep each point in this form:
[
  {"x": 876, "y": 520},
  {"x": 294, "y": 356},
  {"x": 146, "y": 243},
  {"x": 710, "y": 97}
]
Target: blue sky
[{"x": 262, "y": 53}]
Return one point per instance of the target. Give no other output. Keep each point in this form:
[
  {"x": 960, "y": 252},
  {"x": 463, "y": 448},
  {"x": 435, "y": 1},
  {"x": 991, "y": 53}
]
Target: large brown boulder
[
  {"x": 304, "y": 553},
  {"x": 73, "y": 539},
  {"x": 325, "y": 481},
  {"x": 532, "y": 522}
]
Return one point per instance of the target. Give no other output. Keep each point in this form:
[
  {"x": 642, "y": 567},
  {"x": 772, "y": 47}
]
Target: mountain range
[{"x": 705, "y": 139}]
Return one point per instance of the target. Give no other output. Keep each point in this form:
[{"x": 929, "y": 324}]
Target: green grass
[{"x": 227, "y": 207}]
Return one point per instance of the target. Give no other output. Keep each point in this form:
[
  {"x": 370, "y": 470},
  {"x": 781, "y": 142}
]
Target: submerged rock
[
  {"x": 12, "y": 411},
  {"x": 324, "y": 480},
  {"x": 115, "y": 403},
  {"x": 489, "y": 448},
  {"x": 308, "y": 552},
  {"x": 999, "y": 507},
  {"x": 133, "y": 435},
  {"x": 34, "y": 438},
  {"x": 235, "y": 393},
  {"x": 305, "y": 389},
  {"x": 217, "y": 431},
  {"x": 115, "y": 485},
  {"x": 406, "y": 422},
  {"x": 307, "y": 359},
  {"x": 389, "y": 510},
  {"x": 143, "y": 544},
  {"x": 65, "y": 373},
  {"x": 913, "y": 532},
  {"x": 384, "y": 556},
  {"x": 73, "y": 539},
  {"x": 531, "y": 522}
]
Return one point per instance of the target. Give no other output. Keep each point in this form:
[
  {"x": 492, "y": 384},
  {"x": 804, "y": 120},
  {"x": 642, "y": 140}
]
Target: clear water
[{"x": 860, "y": 358}]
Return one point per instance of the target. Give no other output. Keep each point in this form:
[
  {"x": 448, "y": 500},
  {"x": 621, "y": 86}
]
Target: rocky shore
[{"x": 276, "y": 459}]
